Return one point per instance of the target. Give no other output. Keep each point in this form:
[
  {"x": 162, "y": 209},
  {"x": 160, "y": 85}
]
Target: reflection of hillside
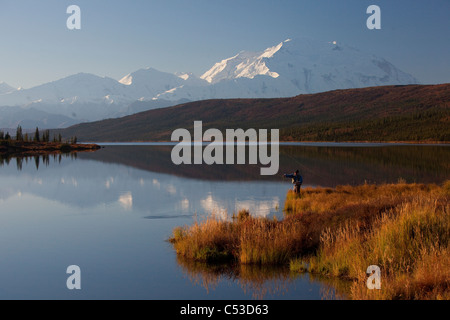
[
  {"x": 255, "y": 280},
  {"x": 158, "y": 159},
  {"x": 331, "y": 166},
  {"x": 325, "y": 166}
]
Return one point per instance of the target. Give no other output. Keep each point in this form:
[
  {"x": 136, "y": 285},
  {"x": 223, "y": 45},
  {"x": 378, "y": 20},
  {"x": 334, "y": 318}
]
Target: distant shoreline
[
  {"x": 287, "y": 143},
  {"x": 14, "y": 148}
]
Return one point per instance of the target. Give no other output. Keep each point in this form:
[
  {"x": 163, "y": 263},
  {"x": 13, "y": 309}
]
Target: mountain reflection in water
[
  {"x": 115, "y": 208},
  {"x": 326, "y": 166}
]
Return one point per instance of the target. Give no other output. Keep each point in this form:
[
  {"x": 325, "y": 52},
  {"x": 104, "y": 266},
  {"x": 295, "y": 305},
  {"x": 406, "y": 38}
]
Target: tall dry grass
[
  {"x": 402, "y": 228},
  {"x": 211, "y": 240},
  {"x": 409, "y": 242},
  {"x": 246, "y": 239},
  {"x": 320, "y": 209}
]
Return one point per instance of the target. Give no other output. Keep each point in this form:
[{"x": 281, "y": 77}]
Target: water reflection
[
  {"x": 87, "y": 183},
  {"x": 144, "y": 179},
  {"x": 5, "y": 159},
  {"x": 320, "y": 165},
  {"x": 259, "y": 282},
  {"x": 130, "y": 188}
]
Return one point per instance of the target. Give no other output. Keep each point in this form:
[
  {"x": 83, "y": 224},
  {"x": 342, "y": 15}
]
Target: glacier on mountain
[
  {"x": 299, "y": 66},
  {"x": 292, "y": 67}
]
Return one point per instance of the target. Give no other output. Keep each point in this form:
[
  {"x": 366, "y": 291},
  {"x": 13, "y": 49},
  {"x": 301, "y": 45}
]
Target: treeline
[
  {"x": 431, "y": 125},
  {"x": 36, "y": 137}
]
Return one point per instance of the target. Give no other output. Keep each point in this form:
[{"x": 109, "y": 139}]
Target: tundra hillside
[{"x": 415, "y": 113}]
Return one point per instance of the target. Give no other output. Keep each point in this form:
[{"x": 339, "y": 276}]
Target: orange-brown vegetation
[{"x": 338, "y": 232}]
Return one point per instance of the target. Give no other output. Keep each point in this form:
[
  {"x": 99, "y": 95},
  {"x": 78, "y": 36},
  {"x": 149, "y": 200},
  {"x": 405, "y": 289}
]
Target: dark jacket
[{"x": 296, "y": 179}]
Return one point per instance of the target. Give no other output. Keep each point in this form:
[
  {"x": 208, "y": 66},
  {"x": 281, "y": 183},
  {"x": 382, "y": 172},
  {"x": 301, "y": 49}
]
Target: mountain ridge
[
  {"x": 389, "y": 113},
  {"x": 6, "y": 88},
  {"x": 292, "y": 67}
]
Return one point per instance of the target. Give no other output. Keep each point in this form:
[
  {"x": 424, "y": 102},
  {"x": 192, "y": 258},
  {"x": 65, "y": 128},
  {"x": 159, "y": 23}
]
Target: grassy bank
[
  {"x": 402, "y": 228},
  {"x": 245, "y": 239},
  {"x": 409, "y": 241}
]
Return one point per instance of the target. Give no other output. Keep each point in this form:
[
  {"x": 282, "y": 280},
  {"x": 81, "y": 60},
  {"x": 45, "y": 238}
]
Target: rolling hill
[{"x": 389, "y": 113}]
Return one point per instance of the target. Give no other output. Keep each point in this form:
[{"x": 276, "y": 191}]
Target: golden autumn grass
[
  {"x": 245, "y": 239},
  {"x": 402, "y": 228}
]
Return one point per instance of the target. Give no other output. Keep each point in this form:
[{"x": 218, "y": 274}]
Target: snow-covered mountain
[
  {"x": 294, "y": 67},
  {"x": 85, "y": 97},
  {"x": 243, "y": 65},
  {"x": 146, "y": 84},
  {"x": 81, "y": 87},
  {"x": 82, "y": 97},
  {"x": 29, "y": 118},
  {"x": 6, "y": 88},
  {"x": 290, "y": 68}
]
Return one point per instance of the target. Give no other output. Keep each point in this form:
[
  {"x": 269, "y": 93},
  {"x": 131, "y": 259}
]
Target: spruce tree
[
  {"x": 37, "y": 135},
  {"x": 19, "y": 134},
  {"x": 46, "y": 136}
]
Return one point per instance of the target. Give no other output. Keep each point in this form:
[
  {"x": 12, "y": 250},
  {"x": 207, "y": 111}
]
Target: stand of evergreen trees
[{"x": 43, "y": 137}]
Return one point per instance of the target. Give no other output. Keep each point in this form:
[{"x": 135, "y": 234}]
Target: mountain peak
[
  {"x": 310, "y": 66},
  {"x": 145, "y": 74},
  {"x": 6, "y": 88},
  {"x": 245, "y": 64},
  {"x": 127, "y": 80},
  {"x": 185, "y": 75}
]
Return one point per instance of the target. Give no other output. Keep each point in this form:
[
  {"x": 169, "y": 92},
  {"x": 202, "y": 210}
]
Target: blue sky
[{"x": 119, "y": 37}]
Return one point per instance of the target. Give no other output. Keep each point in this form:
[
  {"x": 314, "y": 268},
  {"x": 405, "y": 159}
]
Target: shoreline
[
  {"x": 14, "y": 148},
  {"x": 433, "y": 143}
]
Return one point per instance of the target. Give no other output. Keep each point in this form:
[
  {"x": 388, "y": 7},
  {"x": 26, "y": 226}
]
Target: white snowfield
[
  {"x": 290, "y": 68},
  {"x": 299, "y": 66}
]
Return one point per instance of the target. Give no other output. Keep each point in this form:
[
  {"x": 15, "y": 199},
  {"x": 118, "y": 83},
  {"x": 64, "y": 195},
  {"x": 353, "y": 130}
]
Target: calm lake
[{"x": 111, "y": 212}]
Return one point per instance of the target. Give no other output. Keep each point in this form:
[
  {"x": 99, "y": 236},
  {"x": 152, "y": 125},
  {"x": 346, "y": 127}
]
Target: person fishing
[{"x": 297, "y": 181}]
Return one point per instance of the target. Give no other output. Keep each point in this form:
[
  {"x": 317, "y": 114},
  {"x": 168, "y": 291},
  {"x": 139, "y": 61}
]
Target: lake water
[{"x": 111, "y": 212}]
